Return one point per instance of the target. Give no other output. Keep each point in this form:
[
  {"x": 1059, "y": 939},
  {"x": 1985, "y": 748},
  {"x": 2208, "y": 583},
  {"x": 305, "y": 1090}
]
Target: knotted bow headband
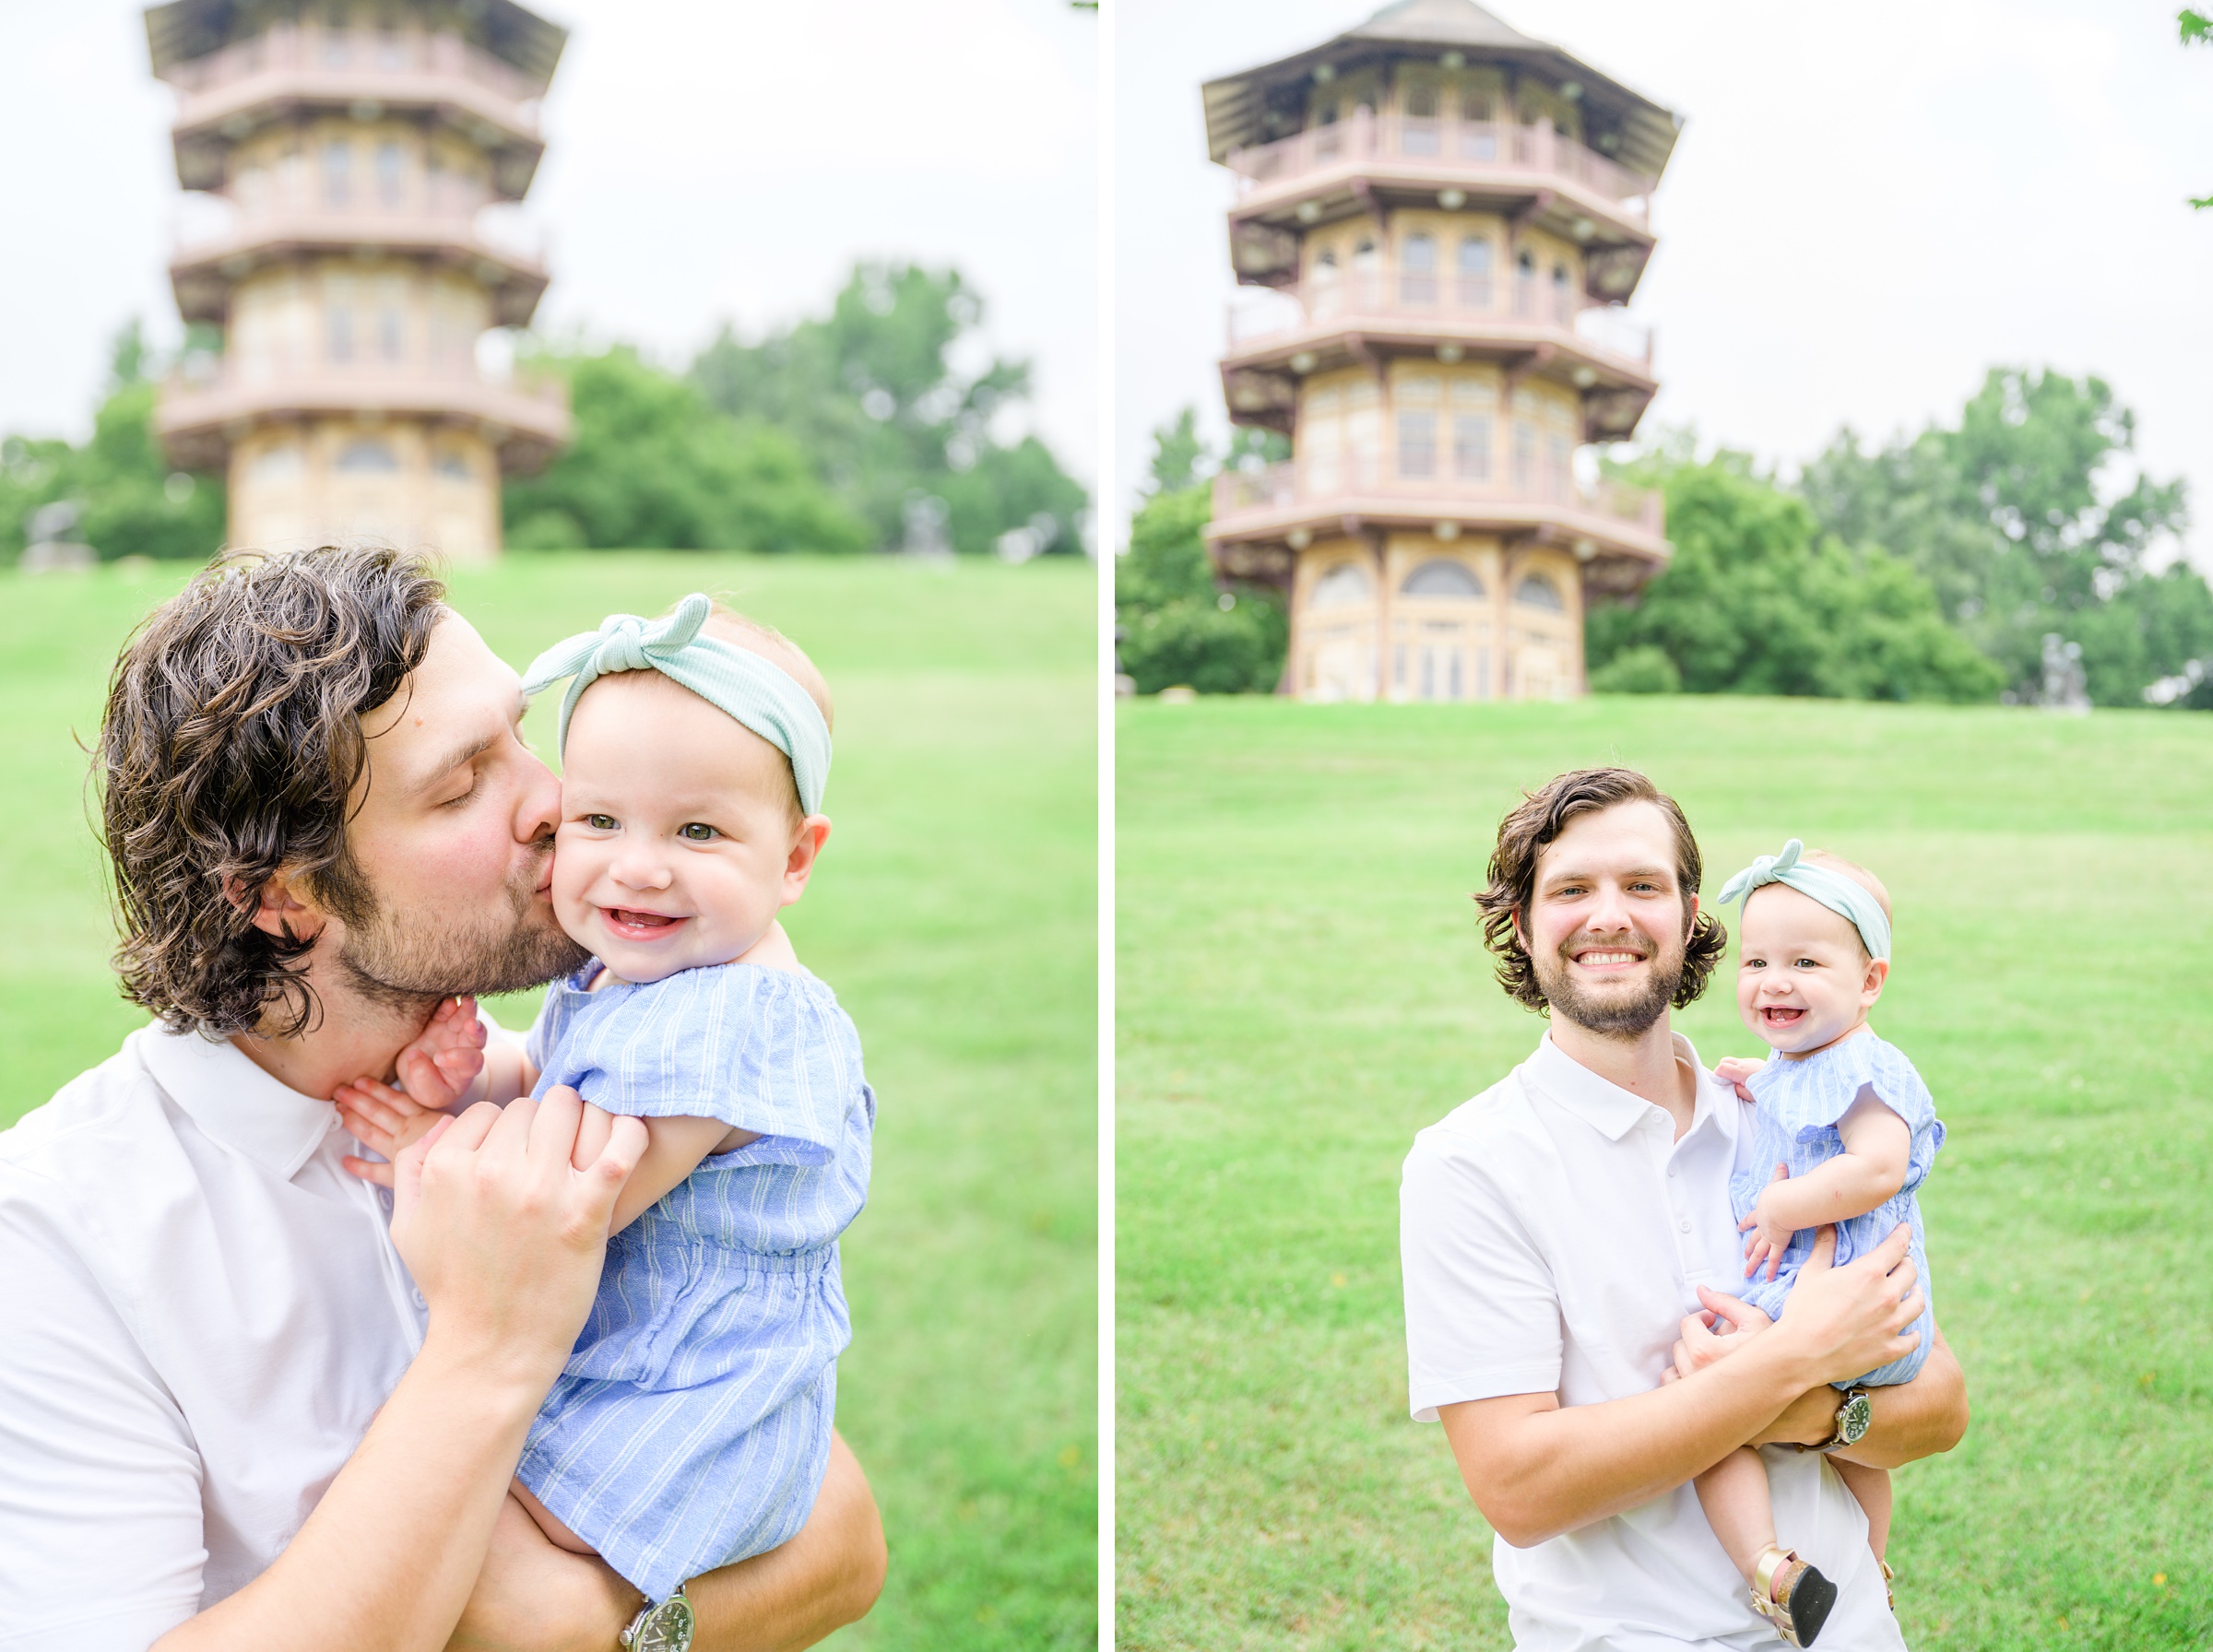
[
  {"x": 750, "y": 689},
  {"x": 1833, "y": 890}
]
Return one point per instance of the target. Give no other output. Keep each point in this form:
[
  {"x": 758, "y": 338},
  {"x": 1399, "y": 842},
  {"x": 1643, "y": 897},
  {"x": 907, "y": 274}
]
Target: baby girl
[
  {"x": 691, "y": 1426},
  {"x": 1851, "y": 1132}
]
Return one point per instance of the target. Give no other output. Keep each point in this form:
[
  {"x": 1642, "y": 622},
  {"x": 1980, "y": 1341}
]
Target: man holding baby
[
  {"x": 1569, "y": 1249},
  {"x": 234, "y": 1413}
]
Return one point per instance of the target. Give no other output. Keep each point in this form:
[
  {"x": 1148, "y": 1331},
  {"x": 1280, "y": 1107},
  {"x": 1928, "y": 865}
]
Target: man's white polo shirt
[
  {"x": 200, "y": 1311},
  {"x": 1554, "y": 1234}
]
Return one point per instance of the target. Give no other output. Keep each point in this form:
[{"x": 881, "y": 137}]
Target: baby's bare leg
[
  {"x": 1872, "y": 1487},
  {"x": 1734, "y": 1493},
  {"x": 561, "y": 1535}
]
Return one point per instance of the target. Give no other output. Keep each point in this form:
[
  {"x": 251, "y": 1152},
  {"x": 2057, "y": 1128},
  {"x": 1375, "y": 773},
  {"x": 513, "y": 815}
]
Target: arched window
[
  {"x": 1417, "y": 129},
  {"x": 279, "y": 463},
  {"x": 1417, "y": 270},
  {"x": 1451, "y": 580},
  {"x": 1343, "y": 586},
  {"x": 453, "y": 464},
  {"x": 1535, "y": 591},
  {"x": 368, "y": 456},
  {"x": 338, "y": 172},
  {"x": 1563, "y": 299},
  {"x": 391, "y": 174},
  {"x": 1474, "y": 272}
]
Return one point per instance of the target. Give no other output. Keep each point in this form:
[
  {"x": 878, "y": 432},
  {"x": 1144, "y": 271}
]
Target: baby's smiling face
[
  {"x": 680, "y": 840},
  {"x": 1803, "y": 978}
]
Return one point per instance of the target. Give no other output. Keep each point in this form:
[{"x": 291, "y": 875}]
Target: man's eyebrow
[
  {"x": 1573, "y": 875},
  {"x": 452, "y": 759}
]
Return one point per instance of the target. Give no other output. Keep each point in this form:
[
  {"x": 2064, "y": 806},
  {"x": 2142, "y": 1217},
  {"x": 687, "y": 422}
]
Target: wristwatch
[
  {"x": 667, "y": 1627},
  {"x": 1853, "y": 1418}
]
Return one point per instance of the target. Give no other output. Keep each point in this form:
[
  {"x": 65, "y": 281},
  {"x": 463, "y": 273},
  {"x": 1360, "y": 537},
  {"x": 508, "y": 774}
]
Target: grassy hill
[
  {"x": 1301, "y": 986},
  {"x": 954, "y": 916}
]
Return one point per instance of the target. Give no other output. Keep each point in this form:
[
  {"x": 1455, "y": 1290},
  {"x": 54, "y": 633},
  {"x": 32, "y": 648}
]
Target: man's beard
[
  {"x": 404, "y": 965},
  {"x": 1626, "y": 1012}
]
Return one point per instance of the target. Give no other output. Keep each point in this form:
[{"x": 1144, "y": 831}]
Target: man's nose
[{"x": 1611, "y": 910}]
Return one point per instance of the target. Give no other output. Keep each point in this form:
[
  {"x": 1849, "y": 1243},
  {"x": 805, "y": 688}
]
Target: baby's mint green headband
[
  {"x": 1833, "y": 890},
  {"x": 736, "y": 681}
]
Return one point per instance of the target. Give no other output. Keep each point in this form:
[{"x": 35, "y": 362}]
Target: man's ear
[
  {"x": 806, "y": 848},
  {"x": 279, "y": 909}
]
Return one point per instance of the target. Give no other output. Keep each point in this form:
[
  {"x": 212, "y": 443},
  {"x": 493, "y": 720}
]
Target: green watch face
[
  {"x": 1854, "y": 1416},
  {"x": 663, "y": 1628}
]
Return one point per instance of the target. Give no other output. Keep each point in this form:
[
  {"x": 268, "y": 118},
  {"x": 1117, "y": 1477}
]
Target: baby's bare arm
[
  {"x": 1872, "y": 1168},
  {"x": 674, "y": 1147},
  {"x": 508, "y": 1075}
]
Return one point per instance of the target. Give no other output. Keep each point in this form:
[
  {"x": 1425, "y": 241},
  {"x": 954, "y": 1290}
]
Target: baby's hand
[
  {"x": 437, "y": 1070},
  {"x": 1737, "y": 1070},
  {"x": 384, "y": 1120},
  {"x": 1770, "y": 1235}
]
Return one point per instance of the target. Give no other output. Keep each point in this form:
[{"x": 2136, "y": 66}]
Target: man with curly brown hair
[
  {"x": 246, "y": 1401},
  {"x": 1568, "y": 1244}
]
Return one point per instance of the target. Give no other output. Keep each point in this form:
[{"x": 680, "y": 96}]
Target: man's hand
[
  {"x": 1738, "y": 1070},
  {"x": 503, "y": 1236},
  {"x": 1772, "y": 1232},
  {"x": 1850, "y": 1319}
]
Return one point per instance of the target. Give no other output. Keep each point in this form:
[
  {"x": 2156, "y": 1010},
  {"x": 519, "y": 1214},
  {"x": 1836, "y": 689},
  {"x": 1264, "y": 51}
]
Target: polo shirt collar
[
  {"x": 1607, "y": 1108},
  {"x": 235, "y": 1102}
]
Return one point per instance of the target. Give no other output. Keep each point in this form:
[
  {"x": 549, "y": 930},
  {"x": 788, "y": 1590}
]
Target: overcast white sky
[
  {"x": 705, "y": 158},
  {"x": 1870, "y": 205}
]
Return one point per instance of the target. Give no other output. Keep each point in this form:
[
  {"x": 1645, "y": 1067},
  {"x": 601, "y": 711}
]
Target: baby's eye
[
  {"x": 697, "y": 832},
  {"x": 600, "y": 822},
  {"x": 1808, "y": 963}
]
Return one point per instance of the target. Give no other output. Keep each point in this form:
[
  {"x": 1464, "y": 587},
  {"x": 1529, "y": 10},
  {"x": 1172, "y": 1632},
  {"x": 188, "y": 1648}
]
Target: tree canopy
[{"x": 873, "y": 393}]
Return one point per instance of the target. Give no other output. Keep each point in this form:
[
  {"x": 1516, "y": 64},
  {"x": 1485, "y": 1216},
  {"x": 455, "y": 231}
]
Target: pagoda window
[
  {"x": 1559, "y": 466},
  {"x": 453, "y": 464},
  {"x": 1323, "y": 299},
  {"x": 391, "y": 174},
  {"x": 1535, "y": 591},
  {"x": 1525, "y": 457},
  {"x": 338, "y": 172},
  {"x": 1478, "y": 136},
  {"x": 1525, "y": 283},
  {"x": 1366, "y": 273},
  {"x": 1474, "y": 272},
  {"x": 336, "y": 52},
  {"x": 391, "y": 50},
  {"x": 1472, "y": 446},
  {"x": 1563, "y": 297},
  {"x": 1417, "y": 129},
  {"x": 337, "y": 322},
  {"x": 1417, "y": 443},
  {"x": 368, "y": 456},
  {"x": 1443, "y": 579},
  {"x": 1343, "y": 586},
  {"x": 282, "y": 463},
  {"x": 1417, "y": 270}
]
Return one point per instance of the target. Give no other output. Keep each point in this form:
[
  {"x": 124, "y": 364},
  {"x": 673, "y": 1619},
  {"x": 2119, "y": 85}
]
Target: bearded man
[
  {"x": 246, "y": 1403},
  {"x": 1567, "y": 1239}
]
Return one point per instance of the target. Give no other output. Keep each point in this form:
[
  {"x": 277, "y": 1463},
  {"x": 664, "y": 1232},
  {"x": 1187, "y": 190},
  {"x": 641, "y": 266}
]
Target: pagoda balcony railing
[
  {"x": 461, "y": 224},
  {"x": 536, "y": 407},
  {"x": 349, "y": 61},
  {"x": 1449, "y": 146},
  {"x": 1287, "y": 486},
  {"x": 1387, "y": 295}
]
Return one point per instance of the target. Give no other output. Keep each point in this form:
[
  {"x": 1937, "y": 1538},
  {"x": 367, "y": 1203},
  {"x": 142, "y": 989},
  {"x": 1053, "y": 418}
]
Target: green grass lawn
[
  {"x": 955, "y": 914},
  {"x": 1301, "y": 986}
]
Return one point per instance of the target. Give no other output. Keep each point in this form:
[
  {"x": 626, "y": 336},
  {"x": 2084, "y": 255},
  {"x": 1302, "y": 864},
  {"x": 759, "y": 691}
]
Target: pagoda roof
[
  {"x": 184, "y": 29},
  {"x": 1237, "y": 104}
]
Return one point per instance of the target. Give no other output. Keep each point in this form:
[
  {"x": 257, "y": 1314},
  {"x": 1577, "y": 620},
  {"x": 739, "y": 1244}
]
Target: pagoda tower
[
  {"x": 1450, "y": 214},
  {"x": 355, "y": 147}
]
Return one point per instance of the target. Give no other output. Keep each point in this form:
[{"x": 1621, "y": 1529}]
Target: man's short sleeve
[
  {"x": 1483, "y": 1318},
  {"x": 101, "y": 1513}
]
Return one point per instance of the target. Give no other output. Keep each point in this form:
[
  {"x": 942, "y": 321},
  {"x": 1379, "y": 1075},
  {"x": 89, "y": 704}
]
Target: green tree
[
  {"x": 2009, "y": 515},
  {"x": 1175, "y": 625},
  {"x": 873, "y": 394},
  {"x": 134, "y": 502},
  {"x": 1756, "y": 601},
  {"x": 650, "y": 465}
]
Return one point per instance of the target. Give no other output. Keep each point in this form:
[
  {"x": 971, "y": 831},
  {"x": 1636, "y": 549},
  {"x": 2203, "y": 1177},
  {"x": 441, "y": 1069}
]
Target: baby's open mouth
[
  {"x": 634, "y": 924},
  {"x": 1781, "y": 1015}
]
